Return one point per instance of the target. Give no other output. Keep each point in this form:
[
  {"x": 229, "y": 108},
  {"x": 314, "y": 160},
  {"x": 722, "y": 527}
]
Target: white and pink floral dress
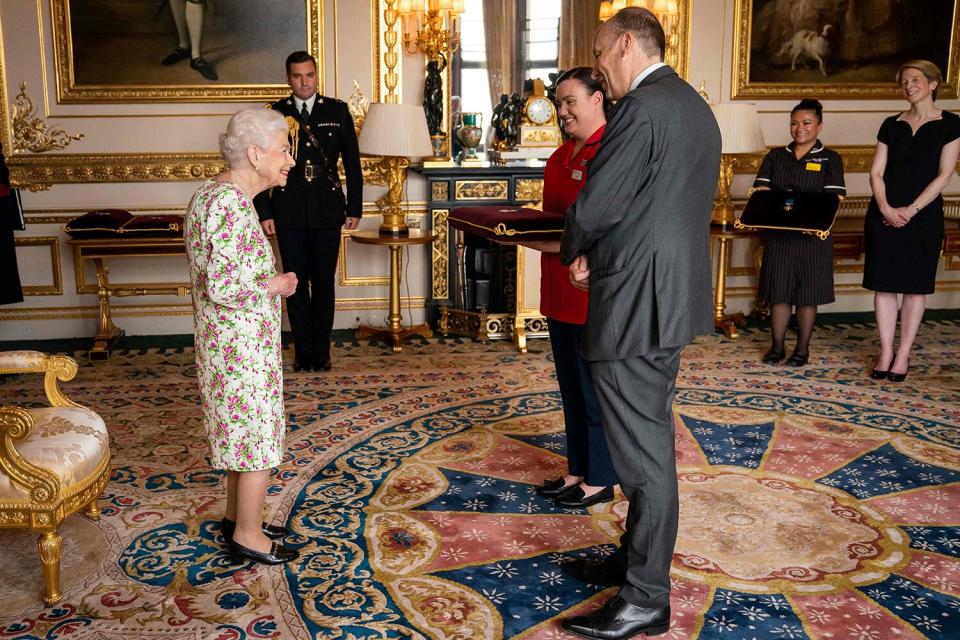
[{"x": 236, "y": 329}]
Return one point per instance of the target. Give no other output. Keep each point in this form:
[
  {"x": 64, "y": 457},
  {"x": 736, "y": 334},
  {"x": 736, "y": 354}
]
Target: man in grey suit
[{"x": 637, "y": 239}]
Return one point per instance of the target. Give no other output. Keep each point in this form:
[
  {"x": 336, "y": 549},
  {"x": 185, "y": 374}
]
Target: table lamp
[
  {"x": 397, "y": 132},
  {"x": 740, "y": 132}
]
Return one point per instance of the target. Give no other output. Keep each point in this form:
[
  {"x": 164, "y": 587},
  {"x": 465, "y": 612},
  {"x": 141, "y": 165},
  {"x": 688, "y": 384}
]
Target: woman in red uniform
[{"x": 590, "y": 477}]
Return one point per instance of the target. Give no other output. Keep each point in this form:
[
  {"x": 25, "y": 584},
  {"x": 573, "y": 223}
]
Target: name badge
[
  {"x": 814, "y": 166},
  {"x": 577, "y": 174}
]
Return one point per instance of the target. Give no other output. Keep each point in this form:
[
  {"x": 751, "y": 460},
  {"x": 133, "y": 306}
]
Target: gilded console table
[
  {"x": 99, "y": 250},
  {"x": 481, "y": 184}
]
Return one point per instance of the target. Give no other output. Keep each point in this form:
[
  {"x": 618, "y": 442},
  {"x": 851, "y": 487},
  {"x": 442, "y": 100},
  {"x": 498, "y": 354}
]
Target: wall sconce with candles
[{"x": 667, "y": 12}]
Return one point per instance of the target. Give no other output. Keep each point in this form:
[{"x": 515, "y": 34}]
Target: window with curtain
[{"x": 538, "y": 44}]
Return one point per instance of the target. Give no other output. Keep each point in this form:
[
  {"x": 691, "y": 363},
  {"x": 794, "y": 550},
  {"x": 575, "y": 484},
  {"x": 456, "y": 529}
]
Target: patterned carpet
[{"x": 815, "y": 503}]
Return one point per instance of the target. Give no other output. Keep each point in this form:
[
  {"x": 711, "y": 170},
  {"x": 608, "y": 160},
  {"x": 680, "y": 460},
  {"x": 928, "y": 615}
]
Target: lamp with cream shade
[
  {"x": 397, "y": 132},
  {"x": 740, "y": 133}
]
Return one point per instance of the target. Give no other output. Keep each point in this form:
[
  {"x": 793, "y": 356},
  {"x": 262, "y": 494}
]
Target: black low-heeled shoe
[
  {"x": 896, "y": 377},
  {"x": 877, "y": 374},
  {"x": 553, "y": 488},
  {"x": 773, "y": 356},
  {"x": 278, "y": 554},
  {"x": 272, "y": 531},
  {"x": 798, "y": 359},
  {"x": 576, "y": 499}
]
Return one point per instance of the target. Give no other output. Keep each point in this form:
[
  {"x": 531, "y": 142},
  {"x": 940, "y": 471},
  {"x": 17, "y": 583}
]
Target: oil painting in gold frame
[
  {"x": 130, "y": 51},
  {"x": 847, "y": 49}
]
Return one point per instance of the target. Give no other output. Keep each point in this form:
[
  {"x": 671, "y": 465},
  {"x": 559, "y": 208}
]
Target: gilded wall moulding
[
  {"x": 38, "y": 173},
  {"x": 30, "y": 132}
]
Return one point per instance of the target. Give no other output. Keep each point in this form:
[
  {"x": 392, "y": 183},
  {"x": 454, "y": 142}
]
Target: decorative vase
[{"x": 469, "y": 132}]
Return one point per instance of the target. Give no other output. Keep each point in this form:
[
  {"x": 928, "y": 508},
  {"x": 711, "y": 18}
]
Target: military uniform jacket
[{"x": 318, "y": 203}]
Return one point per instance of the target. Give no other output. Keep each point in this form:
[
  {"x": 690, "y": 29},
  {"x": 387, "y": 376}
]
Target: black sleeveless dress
[{"x": 905, "y": 259}]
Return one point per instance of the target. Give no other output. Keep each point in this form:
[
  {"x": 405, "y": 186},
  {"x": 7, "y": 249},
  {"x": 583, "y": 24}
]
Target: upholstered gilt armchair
[{"x": 54, "y": 461}]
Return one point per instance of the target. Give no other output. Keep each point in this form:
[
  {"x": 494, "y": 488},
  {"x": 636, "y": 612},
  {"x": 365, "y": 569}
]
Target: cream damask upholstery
[{"x": 54, "y": 461}]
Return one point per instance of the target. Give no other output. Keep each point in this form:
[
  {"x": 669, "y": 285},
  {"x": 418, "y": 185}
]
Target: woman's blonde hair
[
  {"x": 249, "y": 128},
  {"x": 927, "y": 68}
]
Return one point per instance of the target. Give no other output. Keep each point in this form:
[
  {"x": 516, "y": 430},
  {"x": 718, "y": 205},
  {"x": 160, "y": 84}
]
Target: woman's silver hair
[{"x": 248, "y": 128}]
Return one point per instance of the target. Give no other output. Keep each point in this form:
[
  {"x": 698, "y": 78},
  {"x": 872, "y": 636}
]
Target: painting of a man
[{"x": 845, "y": 41}]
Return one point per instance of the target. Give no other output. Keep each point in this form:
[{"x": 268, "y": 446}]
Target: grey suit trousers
[{"x": 636, "y": 399}]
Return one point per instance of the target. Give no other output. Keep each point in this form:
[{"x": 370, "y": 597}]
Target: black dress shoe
[
  {"x": 773, "y": 356},
  {"x": 278, "y": 554},
  {"x": 619, "y": 619},
  {"x": 203, "y": 67},
  {"x": 322, "y": 365},
  {"x": 877, "y": 374},
  {"x": 175, "y": 56},
  {"x": 575, "y": 499},
  {"x": 302, "y": 365},
  {"x": 607, "y": 573},
  {"x": 798, "y": 359},
  {"x": 272, "y": 531},
  {"x": 553, "y": 488}
]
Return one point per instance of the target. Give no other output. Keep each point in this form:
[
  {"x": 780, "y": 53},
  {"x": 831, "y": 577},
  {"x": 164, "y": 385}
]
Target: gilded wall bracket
[{"x": 30, "y": 132}]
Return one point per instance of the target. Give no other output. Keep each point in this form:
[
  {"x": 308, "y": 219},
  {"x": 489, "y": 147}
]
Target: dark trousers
[
  {"x": 636, "y": 400},
  {"x": 312, "y": 255},
  {"x": 587, "y": 453}
]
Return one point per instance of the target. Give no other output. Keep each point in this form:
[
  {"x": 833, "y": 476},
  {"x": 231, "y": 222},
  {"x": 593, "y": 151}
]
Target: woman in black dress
[
  {"x": 797, "y": 268},
  {"x": 915, "y": 158}
]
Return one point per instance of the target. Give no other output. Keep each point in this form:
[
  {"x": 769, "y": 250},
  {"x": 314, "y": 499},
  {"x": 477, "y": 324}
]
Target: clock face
[{"x": 539, "y": 110}]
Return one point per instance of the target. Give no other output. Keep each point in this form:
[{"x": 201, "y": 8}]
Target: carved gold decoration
[
  {"x": 391, "y": 56},
  {"x": 529, "y": 189},
  {"x": 481, "y": 190},
  {"x": 56, "y": 287},
  {"x": 439, "y": 191},
  {"x": 30, "y": 132},
  {"x": 441, "y": 253},
  {"x": 358, "y": 104},
  {"x": 743, "y": 88},
  {"x": 70, "y": 92}
]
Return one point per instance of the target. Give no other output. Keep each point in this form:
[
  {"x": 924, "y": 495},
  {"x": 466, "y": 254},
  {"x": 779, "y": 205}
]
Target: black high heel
[
  {"x": 896, "y": 377},
  {"x": 877, "y": 374},
  {"x": 278, "y": 554}
]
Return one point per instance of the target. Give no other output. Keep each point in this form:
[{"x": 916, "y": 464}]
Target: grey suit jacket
[{"x": 643, "y": 221}]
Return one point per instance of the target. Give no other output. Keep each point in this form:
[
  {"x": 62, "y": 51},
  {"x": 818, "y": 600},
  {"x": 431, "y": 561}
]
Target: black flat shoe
[
  {"x": 798, "y": 359},
  {"x": 575, "y": 499},
  {"x": 773, "y": 356},
  {"x": 618, "y": 619},
  {"x": 278, "y": 554},
  {"x": 203, "y": 67},
  {"x": 553, "y": 488},
  {"x": 272, "y": 531},
  {"x": 876, "y": 374},
  {"x": 606, "y": 572},
  {"x": 175, "y": 56}
]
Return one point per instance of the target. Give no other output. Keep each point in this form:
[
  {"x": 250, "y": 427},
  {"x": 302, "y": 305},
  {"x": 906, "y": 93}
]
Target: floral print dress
[{"x": 236, "y": 329}]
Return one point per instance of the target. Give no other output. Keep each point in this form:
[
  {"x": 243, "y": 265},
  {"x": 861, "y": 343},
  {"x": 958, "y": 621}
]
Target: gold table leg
[
  {"x": 727, "y": 323},
  {"x": 394, "y": 331},
  {"x": 107, "y": 332}
]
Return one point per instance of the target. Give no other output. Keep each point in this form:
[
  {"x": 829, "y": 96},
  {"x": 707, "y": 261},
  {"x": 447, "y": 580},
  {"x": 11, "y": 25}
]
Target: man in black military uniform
[{"x": 307, "y": 214}]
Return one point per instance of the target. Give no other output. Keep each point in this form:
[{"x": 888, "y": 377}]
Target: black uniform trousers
[
  {"x": 636, "y": 405},
  {"x": 587, "y": 454},
  {"x": 312, "y": 255}
]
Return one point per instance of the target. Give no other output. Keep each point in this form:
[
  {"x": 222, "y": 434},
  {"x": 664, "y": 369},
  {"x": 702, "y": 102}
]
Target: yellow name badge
[{"x": 814, "y": 166}]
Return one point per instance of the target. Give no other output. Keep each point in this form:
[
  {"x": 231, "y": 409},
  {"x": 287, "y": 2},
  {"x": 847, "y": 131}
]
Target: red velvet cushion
[
  {"x": 154, "y": 226},
  {"x": 98, "y": 224},
  {"x": 507, "y": 223}
]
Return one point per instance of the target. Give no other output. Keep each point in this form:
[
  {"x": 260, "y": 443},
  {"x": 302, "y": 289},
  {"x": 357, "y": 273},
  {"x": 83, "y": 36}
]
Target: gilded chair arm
[
  {"x": 54, "y": 367},
  {"x": 15, "y": 424}
]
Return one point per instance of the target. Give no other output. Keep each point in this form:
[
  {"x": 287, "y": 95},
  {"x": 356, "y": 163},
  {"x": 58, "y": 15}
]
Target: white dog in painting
[{"x": 809, "y": 44}]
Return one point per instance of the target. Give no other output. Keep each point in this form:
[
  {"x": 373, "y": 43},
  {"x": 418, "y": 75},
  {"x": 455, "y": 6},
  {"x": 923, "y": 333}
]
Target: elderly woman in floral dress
[{"x": 236, "y": 310}]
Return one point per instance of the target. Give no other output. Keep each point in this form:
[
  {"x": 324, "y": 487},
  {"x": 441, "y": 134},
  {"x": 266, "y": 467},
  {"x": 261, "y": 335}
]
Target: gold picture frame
[
  {"x": 83, "y": 54},
  {"x": 775, "y": 52}
]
